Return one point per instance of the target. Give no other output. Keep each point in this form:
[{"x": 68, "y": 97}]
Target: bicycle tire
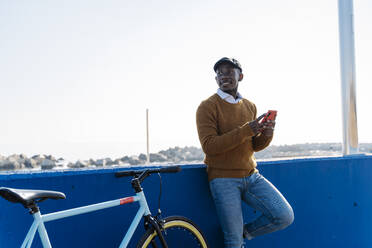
[{"x": 178, "y": 232}]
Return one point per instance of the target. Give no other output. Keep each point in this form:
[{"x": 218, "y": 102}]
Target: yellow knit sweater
[{"x": 227, "y": 139}]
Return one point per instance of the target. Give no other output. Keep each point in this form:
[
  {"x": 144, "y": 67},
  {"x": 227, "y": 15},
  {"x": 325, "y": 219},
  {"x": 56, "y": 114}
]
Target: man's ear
[
  {"x": 217, "y": 81},
  {"x": 241, "y": 76}
]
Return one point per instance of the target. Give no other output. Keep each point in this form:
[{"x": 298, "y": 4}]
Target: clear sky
[{"x": 77, "y": 76}]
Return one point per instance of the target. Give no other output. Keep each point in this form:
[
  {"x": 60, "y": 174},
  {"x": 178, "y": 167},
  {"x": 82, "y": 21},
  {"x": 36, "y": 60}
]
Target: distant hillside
[
  {"x": 176, "y": 155},
  {"x": 308, "y": 149}
]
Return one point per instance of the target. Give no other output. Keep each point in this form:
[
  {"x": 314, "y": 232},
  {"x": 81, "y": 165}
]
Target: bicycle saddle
[{"x": 28, "y": 196}]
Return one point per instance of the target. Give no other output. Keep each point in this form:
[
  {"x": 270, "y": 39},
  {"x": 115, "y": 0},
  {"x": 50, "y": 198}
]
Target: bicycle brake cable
[{"x": 160, "y": 185}]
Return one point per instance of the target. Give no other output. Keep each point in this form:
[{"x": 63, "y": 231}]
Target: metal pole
[
  {"x": 347, "y": 61},
  {"x": 147, "y": 137}
]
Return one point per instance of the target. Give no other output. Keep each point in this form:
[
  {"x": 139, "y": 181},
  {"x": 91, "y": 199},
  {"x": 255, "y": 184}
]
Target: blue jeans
[{"x": 258, "y": 193}]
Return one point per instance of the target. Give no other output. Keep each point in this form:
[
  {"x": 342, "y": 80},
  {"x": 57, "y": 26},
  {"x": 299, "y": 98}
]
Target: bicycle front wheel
[{"x": 178, "y": 232}]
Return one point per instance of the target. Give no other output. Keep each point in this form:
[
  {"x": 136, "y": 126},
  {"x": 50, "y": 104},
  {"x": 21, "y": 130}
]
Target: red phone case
[{"x": 271, "y": 115}]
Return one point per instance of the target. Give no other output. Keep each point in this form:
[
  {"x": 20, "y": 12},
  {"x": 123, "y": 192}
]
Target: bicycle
[{"x": 172, "y": 232}]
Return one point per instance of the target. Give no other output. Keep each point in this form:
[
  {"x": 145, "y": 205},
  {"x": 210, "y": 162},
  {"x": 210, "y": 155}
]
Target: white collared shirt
[{"x": 229, "y": 98}]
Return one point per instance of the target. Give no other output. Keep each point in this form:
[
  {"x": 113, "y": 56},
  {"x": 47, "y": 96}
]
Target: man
[{"x": 229, "y": 133}]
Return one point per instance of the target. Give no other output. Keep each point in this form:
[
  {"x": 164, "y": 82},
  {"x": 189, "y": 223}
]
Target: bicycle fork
[{"x": 150, "y": 220}]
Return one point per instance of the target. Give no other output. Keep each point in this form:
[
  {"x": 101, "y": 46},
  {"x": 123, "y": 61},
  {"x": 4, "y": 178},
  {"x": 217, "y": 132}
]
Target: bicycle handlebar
[{"x": 136, "y": 173}]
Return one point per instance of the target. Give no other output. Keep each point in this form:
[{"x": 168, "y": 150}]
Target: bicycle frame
[{"x": 39, "y": 219}]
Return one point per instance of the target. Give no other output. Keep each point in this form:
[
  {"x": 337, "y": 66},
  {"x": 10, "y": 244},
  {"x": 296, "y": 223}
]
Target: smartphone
[{"x": 271, "y": 115}]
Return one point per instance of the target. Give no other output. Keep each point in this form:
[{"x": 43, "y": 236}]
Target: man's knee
[{"x": 285, "y": 219}]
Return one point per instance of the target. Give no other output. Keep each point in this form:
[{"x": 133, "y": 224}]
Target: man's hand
[
  {"x": 255, "y": 125},
  {"x": 268, "y": 128}
]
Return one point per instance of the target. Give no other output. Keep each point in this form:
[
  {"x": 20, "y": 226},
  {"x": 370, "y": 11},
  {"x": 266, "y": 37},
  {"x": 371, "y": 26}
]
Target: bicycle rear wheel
[{"x": 178, "y": 232}]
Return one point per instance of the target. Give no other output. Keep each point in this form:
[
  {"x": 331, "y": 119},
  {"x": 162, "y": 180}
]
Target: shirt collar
[{"x": 229, "y": 98}]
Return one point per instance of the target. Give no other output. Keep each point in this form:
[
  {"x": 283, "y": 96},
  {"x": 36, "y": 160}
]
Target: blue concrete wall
[{"x": 331, "y": 198}]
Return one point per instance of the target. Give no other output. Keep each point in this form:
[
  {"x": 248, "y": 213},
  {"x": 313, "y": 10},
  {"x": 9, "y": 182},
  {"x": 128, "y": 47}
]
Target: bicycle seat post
[
  {"x": 38, "y": 224},
  {"x": 41, "y": 227},
  {"x": 33, "y": 208}
]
